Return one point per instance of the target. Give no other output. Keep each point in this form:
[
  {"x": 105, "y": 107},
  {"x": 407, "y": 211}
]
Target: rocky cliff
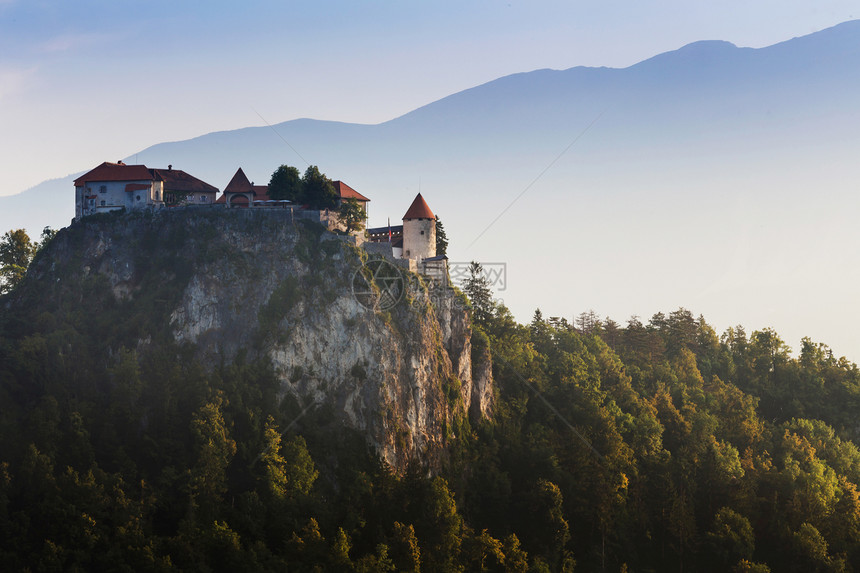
[{"x": 389, "y": 356}]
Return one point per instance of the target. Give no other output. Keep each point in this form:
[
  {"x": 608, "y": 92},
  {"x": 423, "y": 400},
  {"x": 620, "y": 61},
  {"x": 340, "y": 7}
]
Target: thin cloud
[{"x": 70, "y": 42}]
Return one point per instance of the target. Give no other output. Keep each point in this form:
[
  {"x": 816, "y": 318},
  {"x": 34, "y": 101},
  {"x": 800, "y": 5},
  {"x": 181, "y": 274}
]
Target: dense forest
[{"x": 658, "y": 446}]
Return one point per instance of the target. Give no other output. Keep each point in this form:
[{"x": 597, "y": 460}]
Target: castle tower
[{"x": 419, "y": 231}]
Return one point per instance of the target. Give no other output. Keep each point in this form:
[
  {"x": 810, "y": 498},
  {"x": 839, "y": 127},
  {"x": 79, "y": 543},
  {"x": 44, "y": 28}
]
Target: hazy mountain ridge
[
  {"x": 534, "y": 100},
  {"x": 717, "y": 145}
]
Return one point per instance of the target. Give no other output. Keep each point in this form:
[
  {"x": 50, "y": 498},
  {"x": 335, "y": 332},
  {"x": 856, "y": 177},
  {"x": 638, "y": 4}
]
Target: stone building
[
  {"x": 412, "y": 244},
  {"x": 113, "y": 186},
  {"x": 241, "y": 192},
  {"x": 345, "y": 192},
  {"x": 419, "y": 231}
]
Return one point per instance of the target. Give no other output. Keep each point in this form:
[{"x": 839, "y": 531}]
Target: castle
[
  {"x": 115, "y": 186},
  {"x": 413, "y": 242}
]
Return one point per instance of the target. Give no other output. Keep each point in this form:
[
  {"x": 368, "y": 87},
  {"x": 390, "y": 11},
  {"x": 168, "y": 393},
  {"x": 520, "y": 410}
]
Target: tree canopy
[
  {"x": 317, "y": 189},
  {"x": 286, "y": 184},
  {"x": 441, "y": 238},
  {"x": 654, "y": 445},
  {"x": 352, "y": 215},
  {"x": 16, "y": 253},
  {"x": 313, "y": 188},
  {"x": 477, "y": 288}
]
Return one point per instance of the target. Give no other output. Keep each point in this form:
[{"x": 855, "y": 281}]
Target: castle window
[
  {"x": 138, "y": 197},
  {"x": 422, "y": 232},
  {"x": 102, "y": 203},
  {"x": 103, "y": 189}
]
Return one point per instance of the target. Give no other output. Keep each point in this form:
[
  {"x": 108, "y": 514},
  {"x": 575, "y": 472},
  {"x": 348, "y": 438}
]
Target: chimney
[
  {"x": 170, "y": 167},
  {"x": 119, "y": 162}
]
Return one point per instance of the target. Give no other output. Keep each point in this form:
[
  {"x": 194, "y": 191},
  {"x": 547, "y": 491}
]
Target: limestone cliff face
[{"x": 258, "y": 283}]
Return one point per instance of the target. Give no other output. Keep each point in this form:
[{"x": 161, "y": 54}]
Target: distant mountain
[
  {"x": 709, "y": 85},
  {"x": 724, "y": 177}
]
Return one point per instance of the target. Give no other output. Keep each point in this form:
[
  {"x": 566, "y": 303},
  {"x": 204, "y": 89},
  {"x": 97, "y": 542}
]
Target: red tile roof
[
  {"x": 115, "y": 172},
  {"x": 222, "y": 200},
  {"x": 178, "y": 180},
  {"x": 344, "y": 191},
  {"x": 419, "y": 209},
  {"x": 239, "y": 183},
  {"x": 174, "y": 179},
  {"x": 261, "y": 192}
]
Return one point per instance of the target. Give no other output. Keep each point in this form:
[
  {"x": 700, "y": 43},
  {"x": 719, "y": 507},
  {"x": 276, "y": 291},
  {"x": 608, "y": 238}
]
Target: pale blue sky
[{"x": 86, "y": 81}]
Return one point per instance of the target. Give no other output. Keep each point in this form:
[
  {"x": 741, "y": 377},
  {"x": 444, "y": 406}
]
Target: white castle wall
[
  {"x": 111, "y": 195},
  {"x": 419, "y": 238}
]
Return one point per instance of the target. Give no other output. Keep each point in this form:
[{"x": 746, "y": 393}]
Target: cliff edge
[{"x": 387, "y": 355}]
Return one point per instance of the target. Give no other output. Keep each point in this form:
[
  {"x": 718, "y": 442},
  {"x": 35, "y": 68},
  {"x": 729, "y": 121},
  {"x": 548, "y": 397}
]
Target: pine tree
[
  {"x": 477, "y": 288},
  {"x": 317, "y": 189},
  {"x": 441, "y": 239}
]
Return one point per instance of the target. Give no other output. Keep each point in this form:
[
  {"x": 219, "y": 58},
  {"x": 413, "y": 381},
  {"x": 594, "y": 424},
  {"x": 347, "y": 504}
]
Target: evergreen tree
[
  {"x": 441, "y": 239},
  {"x": 724, "y": 454},
  {"x": 300, "y": 471},
  {"x": 215, "y": 449},
  {"x": 317, "y": 190},
  {"x": 275, "y": 477},
  {"x": 477, "y": 288}
]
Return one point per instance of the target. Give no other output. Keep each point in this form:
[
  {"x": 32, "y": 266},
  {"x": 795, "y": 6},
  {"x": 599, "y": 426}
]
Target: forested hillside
[{"x": 646, "y": 447}]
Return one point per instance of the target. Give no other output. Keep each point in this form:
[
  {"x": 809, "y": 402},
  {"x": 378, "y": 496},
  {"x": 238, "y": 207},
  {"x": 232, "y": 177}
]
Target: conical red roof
[
  {"x": 239, "y": 183},
  {"x": 419, "y": 210}
]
